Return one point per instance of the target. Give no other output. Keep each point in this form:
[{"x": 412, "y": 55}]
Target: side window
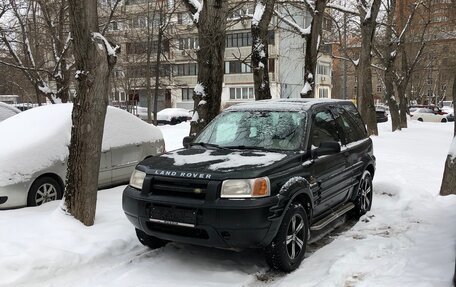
[
  {"x": 324, "y": 128},
  {"x": 349, "y": 130},
  {"x": 356, "y": 118}
]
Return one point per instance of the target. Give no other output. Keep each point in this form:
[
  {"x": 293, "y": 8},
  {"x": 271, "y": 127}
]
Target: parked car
[
  {"x": 260, "y": 175},
  {"x": 7, "y": 111},
  {"x": 33, "y": 160},
  {"x": 381, "y": 114},
  {"x": 173, "y": 116},
  {"x": 436, "y": 110},
  {"x": 427, "y": 115}
]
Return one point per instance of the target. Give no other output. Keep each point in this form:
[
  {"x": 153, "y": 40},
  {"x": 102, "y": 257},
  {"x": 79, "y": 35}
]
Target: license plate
[{"x": 173, "y": 216}]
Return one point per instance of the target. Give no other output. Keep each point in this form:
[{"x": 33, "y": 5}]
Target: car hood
[{"x": 218, "y": 164}]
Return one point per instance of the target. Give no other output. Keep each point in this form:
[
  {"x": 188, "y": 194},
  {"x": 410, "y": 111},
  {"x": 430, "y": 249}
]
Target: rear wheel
[
  {"x": 43, "y": 190},
  {"x": 287, "y": 249},
  {"x": 444, "y": 120},
  {"x": 150, "y": 241},
  {"x": 420, "y": 119},
  {"x": 363, "y": 201}
]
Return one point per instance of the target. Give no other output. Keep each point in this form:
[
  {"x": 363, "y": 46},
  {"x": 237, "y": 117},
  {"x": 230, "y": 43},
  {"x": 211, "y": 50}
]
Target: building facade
[{"x": 136, "y": 21}]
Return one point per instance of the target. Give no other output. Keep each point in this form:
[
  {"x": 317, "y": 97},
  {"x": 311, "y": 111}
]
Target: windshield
[{"x": 282, "y": 130}]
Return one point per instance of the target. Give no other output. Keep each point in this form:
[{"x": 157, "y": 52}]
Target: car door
[
  {"x": 355, "y": 143},
  {"x": 104, "y": 177},
  {"x": 124, "y": 160},
  {"x": 327, "y": 171}
]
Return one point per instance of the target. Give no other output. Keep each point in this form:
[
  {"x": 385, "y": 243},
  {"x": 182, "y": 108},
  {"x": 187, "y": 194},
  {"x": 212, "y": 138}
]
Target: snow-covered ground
[{"x": 408, "y": 239}]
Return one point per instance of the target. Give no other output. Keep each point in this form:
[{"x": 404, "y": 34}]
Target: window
[
  {"x": 188, "y": 43},
  {"x": 190, "y": 69},
  {"x": 187, "y": 94},
  {"x": 237, "y": 67},
  {"x": 244, "y": 39},
  {"x": 184, "y": 18},
  {"x": 349, "y": 129},
  {"x": 323, "y": 93},
  {"x": 323, "y": 69},
  {"x": 379, "y": 88},
  {"x": 139, "y": 22},
  {"x": 242, "y": 93},
  {"x": 141, "y": 47},
  {"x": 140, "y": 71},
  {"x": 324, "y": 128}
]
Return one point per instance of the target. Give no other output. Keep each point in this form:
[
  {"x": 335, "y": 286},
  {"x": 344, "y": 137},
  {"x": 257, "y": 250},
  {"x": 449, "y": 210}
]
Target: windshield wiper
[
  {"x": 245, "y": 147},
  {"x": 203, "y": 144}
]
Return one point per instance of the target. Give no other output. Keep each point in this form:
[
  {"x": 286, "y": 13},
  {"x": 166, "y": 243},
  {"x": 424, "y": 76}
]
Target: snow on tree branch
[
  {"x": 310, "y": 5},
  {"x": 301, "y": 31},
  {"x": 258, "y": 14},
  {"x": 195, "y": 8},
  {"x": 342, "y": 8},
  {"x": 112, "y": 51}
]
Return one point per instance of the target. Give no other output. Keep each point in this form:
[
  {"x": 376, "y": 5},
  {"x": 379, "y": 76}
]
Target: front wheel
[
  {"x": 150, "y": 241},
  {"x": 43, "y": 190},
  {"x": 444, "y": 120},
  {"x": 287, "y": 249},
  {"x": 363, "y": 201}
]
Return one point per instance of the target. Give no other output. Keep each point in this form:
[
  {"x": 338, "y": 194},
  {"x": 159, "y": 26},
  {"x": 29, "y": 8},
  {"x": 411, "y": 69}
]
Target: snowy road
[{"x": 408, "y": 239}]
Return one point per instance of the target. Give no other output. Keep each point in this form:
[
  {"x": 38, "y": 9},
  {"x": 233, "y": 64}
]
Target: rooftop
[{"x": 293, "y": 104}]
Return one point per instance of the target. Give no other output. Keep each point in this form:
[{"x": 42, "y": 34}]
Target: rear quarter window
[{"x": 355, "y": 122}]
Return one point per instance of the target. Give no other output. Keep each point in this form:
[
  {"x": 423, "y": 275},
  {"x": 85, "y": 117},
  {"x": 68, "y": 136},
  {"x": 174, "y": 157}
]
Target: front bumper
[
  {"x": 14, "y": 195},
  {"x": 219, "y": 222}
]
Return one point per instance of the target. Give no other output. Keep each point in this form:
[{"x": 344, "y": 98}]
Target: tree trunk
[
  {"x": 449, "y": 176},
  {"x": 365, "y": 96},
  {"x": 390, "y": 57},
  {"x": 89, "y": 110},
  {"x": 312, "y": 46},
  {"x": 157, "y": 67},
  {"x": 402, "y": 105},
  {"x": 208, "y": 92},
  {"x": 260, "y": 55}
]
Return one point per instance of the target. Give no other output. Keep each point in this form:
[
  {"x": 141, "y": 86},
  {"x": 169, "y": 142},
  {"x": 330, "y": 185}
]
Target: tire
[
  {"x": 420, "y": 119},
  {"x": 292, "y": 236},
  {"x": 150, "y": 241},
  {"x": 364, "y": 194},
  {"x": 444, "y": 120},
  {"x": 44, "y": 189}
]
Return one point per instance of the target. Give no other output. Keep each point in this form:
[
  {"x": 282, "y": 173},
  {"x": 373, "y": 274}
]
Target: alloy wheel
[
  {"x": 365, "y": 193},
  {"x": 45, "y": 193},
  {"x": 295, "y": 236}
]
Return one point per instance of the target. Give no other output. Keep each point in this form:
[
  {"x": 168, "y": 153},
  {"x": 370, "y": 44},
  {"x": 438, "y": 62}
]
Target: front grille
[
  {"x": 187, "y": 188},
  {"x": 178, "y": 230}
]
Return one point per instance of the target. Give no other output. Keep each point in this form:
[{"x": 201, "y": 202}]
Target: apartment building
[{"x": 138, "y": 19}]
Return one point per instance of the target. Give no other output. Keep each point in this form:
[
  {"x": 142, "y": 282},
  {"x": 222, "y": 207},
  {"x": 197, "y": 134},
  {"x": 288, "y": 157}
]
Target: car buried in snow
[
  {"x": 267, "y": 174},
  {"x": 33, "y": 161}
]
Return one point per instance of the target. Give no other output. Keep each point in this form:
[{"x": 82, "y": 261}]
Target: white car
[
  {"x": 7, "y": 111},
  {"x": 173, "y": 116},
  {"x": 34, "y": 152},
  {"x": 427, "y": 115}
]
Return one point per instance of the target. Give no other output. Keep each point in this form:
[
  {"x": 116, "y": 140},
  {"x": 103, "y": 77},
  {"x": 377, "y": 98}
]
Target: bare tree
[
  {"x": 37, "y": 27},
  {"x": 211, "y": 21},
  {"x": 368, "y": 11},
  {"x": 94, "y": 59},
  {"x": 264, "y": 10}
]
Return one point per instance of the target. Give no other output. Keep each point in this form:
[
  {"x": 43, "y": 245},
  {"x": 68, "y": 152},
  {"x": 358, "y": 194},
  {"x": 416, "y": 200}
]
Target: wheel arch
[
  {"x": 54, "y": 176},
  {"x": 370, "y": 168}
]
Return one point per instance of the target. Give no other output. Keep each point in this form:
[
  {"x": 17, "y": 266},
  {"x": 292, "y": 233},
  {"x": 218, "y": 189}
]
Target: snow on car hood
[
  {"x": 226, "y": 161},
  {"x": 37, "y": 138}
]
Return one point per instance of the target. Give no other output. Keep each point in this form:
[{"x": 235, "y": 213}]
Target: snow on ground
[{"x": 408, "y": 239}]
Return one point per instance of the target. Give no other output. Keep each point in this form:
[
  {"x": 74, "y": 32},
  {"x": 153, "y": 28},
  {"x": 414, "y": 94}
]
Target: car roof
[{"x": 293, "y": 104}]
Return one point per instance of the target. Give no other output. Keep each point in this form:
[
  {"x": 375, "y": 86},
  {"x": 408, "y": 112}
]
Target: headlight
[
  {"x": 137, "y": 179},
  {"x": 246, "y": 188}
]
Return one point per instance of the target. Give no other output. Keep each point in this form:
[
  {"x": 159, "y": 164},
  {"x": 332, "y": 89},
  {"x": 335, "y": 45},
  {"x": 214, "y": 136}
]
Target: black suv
[{"x": 266, "y": 174}]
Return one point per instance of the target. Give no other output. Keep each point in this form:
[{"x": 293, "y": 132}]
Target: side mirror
[
  {"x": 187, "y": 140},
  {"x": 327, "y": 148}
]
